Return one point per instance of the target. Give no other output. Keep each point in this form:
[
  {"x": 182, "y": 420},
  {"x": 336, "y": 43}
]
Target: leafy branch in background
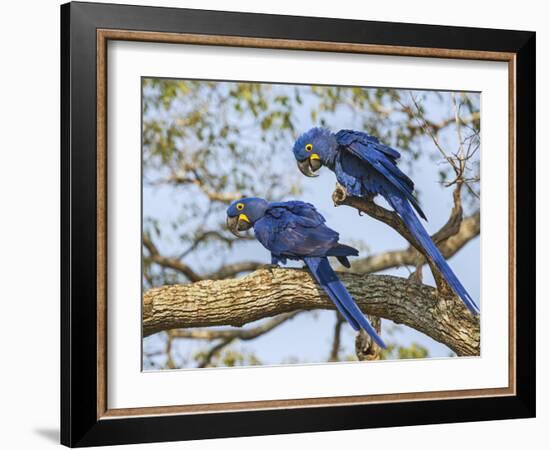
[{"x": 207, "y": 143}]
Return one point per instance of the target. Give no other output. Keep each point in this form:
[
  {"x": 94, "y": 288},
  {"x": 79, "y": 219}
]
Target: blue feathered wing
[
  {"x": 383, "y": 160},
  {"x": 380, "y": 175},
  {"x": 295, "y": 230}
]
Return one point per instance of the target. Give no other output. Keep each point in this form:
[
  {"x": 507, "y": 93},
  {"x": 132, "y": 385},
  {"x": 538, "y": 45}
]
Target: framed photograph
[{"x": 276, "y": 224}]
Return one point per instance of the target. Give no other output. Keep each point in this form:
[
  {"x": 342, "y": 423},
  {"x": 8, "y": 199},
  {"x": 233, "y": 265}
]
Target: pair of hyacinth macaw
[{"x": 295, "y": 230}]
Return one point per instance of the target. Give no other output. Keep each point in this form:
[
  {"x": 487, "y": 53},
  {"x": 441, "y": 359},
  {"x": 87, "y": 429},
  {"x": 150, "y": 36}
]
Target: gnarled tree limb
[
  {"x": 167, "y": 262},
  {"x": 228, "y": 270},
  {"x": 228, "y": 336},
  {"x": 242, "y": 334},
  {"x": 391, "y": 218},
  {"x": 266, "y": 293},
  {"x": 336, "y": 340},
  {"x": 365, "y": 348},
  {"x": 468, "y": 230}
]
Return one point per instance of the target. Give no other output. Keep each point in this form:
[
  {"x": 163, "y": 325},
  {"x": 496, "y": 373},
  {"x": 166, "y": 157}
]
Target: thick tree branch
[
  {"x": 468, "y": 230},
  {"x": 266, "y": 293},
  {"x": 409, "y": 257},
  {"x": 242, "y": 334},
  {"x": 367, "y": 206},
  {"x": 392, "y": 219}
]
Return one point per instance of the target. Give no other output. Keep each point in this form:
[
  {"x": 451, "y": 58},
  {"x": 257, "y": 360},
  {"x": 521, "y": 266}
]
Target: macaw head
[
  {"x": 313, "y": 149},
  {"x": 242, "y": 214}
]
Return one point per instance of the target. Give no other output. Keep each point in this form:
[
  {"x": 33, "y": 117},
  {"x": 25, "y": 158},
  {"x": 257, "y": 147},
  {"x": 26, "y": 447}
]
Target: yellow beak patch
[
  {"x": 244, "y": 217},
  {"x": 314, "y": 156}
]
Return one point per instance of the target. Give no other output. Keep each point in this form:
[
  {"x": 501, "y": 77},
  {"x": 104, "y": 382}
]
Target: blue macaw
[
  {"x": 365, "y": 168},
  {"x": 295, "y": 230}
]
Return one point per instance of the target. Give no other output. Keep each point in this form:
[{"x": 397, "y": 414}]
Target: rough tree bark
[
  {"x": 266, "y": 293},
  {"x": 391, "y": 218},
  {"x": 469, "y": 229}
]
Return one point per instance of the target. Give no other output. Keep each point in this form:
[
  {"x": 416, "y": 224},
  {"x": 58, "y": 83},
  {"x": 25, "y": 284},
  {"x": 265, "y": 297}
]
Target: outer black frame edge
[
  {"x": 65, "y": 228},
  {"x": 525, "y": 223},
  {"x": 79, "y": 426}
]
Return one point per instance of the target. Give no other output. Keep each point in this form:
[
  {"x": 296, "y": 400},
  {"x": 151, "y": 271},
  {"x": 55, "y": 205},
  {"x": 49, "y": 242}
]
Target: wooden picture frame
[{"x": 85, "y": 416}]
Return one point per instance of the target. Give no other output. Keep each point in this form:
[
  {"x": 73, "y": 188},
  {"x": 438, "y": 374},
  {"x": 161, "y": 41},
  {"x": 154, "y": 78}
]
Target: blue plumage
[
  {"x": 295, "y": 230},
  {"x": 365, "y": 168},
  {"x": 325, "y": 276}
]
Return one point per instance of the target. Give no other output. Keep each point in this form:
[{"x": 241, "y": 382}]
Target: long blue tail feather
[
  {"x": 313, "y": 264},
  {"x": 327, "y": 278},
  {"x": 403, "y": 208}
]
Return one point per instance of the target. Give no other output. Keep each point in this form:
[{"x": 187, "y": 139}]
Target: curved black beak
[
  {"x": 309, "y": 166},
  {"x": 236, "y": 224}
]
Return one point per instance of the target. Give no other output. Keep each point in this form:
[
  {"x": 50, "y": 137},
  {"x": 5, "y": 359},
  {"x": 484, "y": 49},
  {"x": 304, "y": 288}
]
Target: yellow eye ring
[
  {"x": 309, "y": 147},
  {"x": 240, "y": 206}
]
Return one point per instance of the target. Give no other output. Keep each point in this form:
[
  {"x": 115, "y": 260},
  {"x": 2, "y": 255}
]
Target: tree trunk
[{"x": 266, "y": 293}]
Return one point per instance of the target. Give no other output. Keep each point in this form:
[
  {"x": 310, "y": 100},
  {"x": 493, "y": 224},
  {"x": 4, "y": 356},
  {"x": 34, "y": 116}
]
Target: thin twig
[
  {"x": 335, "y": 349},
  {"x": 228, "y": 336}
]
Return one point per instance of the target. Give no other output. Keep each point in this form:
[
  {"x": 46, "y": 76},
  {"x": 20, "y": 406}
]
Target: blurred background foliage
[{"x": 207, "y": 143}]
